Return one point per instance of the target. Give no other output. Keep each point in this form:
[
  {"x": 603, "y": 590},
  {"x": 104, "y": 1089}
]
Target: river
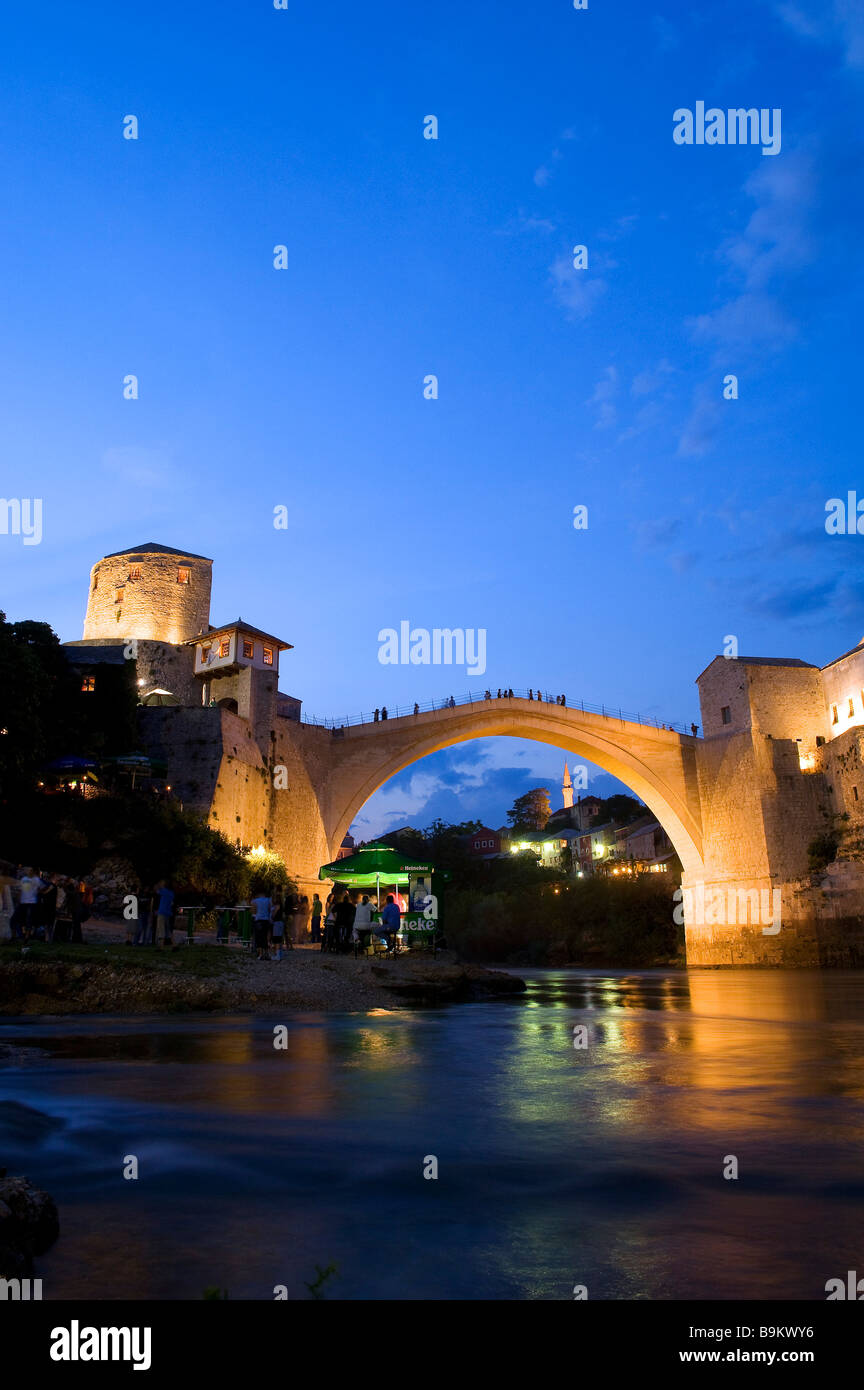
[{"x": 601, "y": 1166}]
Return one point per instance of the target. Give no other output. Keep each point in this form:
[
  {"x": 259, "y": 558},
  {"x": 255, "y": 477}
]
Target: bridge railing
[{"x": 386, "y": 712}]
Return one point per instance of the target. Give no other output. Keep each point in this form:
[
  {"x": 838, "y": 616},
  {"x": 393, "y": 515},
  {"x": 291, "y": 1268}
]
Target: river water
[{"x": 557, "y": 1166}]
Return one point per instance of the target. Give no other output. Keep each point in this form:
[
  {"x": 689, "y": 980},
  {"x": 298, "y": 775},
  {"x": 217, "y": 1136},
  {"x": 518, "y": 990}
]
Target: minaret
[{"x": 567, "y": 787}]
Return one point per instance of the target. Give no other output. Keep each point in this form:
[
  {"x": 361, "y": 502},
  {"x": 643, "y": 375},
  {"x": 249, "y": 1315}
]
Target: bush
[{"x": 595, "y": 921}]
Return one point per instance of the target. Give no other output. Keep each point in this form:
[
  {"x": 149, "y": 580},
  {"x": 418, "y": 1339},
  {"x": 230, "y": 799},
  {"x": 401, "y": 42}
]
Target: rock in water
[{"x": 29, "y": 1225}]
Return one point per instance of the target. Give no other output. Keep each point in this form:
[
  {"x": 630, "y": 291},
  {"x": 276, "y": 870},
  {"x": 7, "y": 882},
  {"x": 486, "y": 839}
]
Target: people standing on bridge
[
  {"x": 510, "y": 693},
  {"x": 694, "y": 729},
  {"x": 383, "y": 711},
  {"x": 452, "y": 702},
  {"x": 375, "y": 717},
  {"x": 416, "y": 707}
]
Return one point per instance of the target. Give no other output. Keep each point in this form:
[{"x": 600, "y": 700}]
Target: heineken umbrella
[
  {"x": 368, "y": 866},
  {"x": 71, "y": 764},
  {"x": 138, "y": 764}
]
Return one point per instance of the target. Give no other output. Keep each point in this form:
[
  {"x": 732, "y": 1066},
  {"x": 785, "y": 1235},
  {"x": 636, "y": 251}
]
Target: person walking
[
  {"x": 416, "y": 707},
  {"x": 262, "y": 908},
  {"x": 164, "y": 914},
  {"x": 317, "y": 909},
  {"x": 329, "y": 941},
  {"x": 277, "y": 925},
  {"x": 391, "y": 918},
  {"x": 363, "y": 923},
  {"x": 345, "y": 912},
  {"x": 144, "y": 925},
  {"x": 24, "y": 917},
  {"x": 48, "y": 896}
]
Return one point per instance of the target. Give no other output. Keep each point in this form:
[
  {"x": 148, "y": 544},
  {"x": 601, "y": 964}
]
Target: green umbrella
[{"x": 370, "y": 865}]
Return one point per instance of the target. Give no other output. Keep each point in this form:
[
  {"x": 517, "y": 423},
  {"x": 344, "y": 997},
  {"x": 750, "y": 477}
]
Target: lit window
[
  {"x": 248, "y": 649},
  {"x": 205, "y": 652},
  {"x": 118, "y": 594},
  {"x": 726, "y": 714},
  {"x": 88, "y": 683},
  {"x": 851, "y": 707},
  {"x": 268, "y": 656},
  {"x": 224, "y": 646},
  {"x": 135, "y": 572},
  {"x": 183, "y": 575},
  {"x": 855, "y": 793},
  {"x": 835, "y": 717}
]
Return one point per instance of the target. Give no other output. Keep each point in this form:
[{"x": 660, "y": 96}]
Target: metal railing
[{"x": 544, "y": 697}]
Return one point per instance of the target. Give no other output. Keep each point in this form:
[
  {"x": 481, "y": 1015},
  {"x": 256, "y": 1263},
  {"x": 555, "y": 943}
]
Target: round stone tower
[{"x": 152, "y": 592}]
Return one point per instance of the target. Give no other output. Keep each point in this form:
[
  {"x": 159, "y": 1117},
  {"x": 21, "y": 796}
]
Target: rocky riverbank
[
  {"x": 28, "y": 1224},
  {"x": 122, "y": 980}
]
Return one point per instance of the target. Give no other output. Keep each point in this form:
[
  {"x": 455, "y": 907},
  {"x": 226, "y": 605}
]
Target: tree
[
  {"x": 530, "y": 811},
  {"x": 621, "y": 808}
]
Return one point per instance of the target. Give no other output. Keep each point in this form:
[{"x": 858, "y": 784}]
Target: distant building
[
  {"x": 347, "y": 847},
  {"x": 483, "y": 841}
]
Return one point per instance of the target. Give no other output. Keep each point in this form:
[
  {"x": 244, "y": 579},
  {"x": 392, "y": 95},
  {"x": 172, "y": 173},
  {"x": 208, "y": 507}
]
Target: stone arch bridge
[{"x": 337, "y": 770}]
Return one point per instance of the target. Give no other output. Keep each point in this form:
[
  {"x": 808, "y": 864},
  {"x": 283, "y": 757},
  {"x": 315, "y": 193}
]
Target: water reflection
[{"x": 557, "y": 1165}]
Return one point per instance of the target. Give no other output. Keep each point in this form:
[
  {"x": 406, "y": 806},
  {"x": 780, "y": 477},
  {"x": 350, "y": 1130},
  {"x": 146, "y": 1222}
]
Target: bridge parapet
[{"x": 385, "y": 714}]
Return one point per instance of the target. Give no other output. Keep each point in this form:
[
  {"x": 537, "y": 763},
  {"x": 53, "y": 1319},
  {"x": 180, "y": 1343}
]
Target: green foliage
[
  {"x": 214, "y": 1292},
  {"x": 594, "y": 921},
  {"x": 318, "y": 1285},
  {"x": 822, "y": 851},
  {"x": 621, "y": 808},
  {"x": 45, "y": 713},
  {"x": 268, "y": 872},
  {"x": 71, "y": 834},
  {"x": 530, "y": 811}
]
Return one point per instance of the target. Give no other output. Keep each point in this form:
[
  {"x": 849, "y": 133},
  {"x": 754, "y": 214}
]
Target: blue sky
[{"x": 407, "y": 256}]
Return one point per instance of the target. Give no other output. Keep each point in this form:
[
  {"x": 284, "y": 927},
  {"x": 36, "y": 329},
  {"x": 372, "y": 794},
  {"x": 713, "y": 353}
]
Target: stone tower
[
  {"x": 151, "y": 592},
  {"x": 567, "y": 787}
]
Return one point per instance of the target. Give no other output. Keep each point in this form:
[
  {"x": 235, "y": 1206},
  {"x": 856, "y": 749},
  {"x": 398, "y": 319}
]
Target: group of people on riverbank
[
  {"x": 41, "y": 906},
  {"x": 350, "y": 919}
]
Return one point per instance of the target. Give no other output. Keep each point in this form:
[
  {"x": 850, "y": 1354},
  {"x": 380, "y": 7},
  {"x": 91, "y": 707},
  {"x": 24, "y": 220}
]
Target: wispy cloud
[
  {"x": 603, "y": 398},
  {"x": 774, "y": 246},
  {"x": 839, "y": 23},
  {"x": 579, "y": 291}
]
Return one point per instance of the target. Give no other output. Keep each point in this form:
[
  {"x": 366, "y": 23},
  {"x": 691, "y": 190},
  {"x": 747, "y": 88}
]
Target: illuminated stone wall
[{"x": 151, "y": 603}]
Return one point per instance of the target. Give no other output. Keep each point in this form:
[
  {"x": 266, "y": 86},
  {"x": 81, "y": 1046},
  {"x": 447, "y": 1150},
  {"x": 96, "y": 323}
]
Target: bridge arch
[{"x": 658, "y": 765}]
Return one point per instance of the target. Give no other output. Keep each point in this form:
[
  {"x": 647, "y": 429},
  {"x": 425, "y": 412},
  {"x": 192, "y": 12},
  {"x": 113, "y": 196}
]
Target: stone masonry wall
[{"x": 153, "y": 605}]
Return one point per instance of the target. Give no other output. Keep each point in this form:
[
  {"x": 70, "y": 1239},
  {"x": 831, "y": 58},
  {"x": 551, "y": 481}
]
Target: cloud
[
  {"x": 150, "y": 468},
  {"x": 658, "y": 532},
  {"x": 666, "y": 35},
  {"x": 577, "y": 290},
  {"x": 749, "y": 320},
  {"x": 700, "y": 428},
  {"x": 775, "y": 241},
  {"x": 773, "y": 246},
  {"x": 647, "y": 383},
  {"x": 840, "y": 23},
  {"x": 603, "y": 398}
]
